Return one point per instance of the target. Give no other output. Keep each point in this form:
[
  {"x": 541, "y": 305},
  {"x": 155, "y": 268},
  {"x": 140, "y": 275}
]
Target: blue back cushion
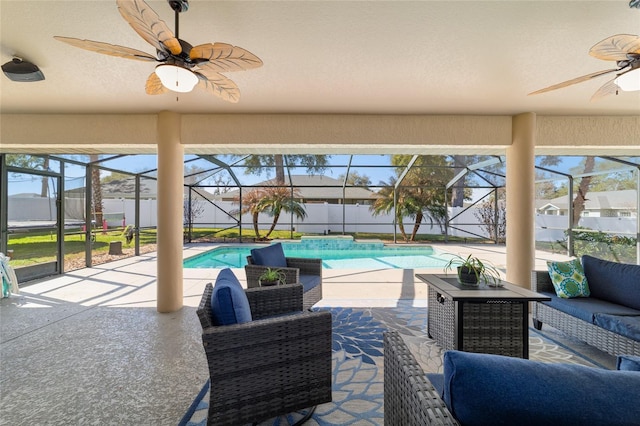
[
  {"x": 483, "y": 389},
  {"x": 624, "y": 325},
  {"x": 628, "y": 362},
  {"x": 615, "y": 282},
  {"x": 272, "y": 255},
  {"x": 229, "y": 303}
]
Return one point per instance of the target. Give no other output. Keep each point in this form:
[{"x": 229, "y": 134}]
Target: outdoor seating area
[
  {"x": 604, "y": 312},
  {"x": 481, "y": 389},
  {"x": 101, "y": 324}
]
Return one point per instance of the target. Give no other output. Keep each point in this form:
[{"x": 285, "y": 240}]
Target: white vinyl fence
[{"x": 321, "y": 218}]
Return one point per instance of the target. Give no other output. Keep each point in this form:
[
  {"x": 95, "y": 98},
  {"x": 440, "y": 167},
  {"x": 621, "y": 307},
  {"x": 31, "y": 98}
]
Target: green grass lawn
[{"x": 35, "y": 247}]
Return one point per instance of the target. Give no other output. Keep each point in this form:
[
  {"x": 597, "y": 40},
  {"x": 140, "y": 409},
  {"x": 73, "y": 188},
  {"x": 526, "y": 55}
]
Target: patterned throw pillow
[{"x": 568, "y": 279}]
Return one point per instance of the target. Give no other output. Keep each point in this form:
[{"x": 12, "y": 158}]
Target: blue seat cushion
[
  {"x": 309, "y": 281},
  {"x": 485, "y": 389},
  {"x": 229, "y": 302},
  {"x": 272, "y": 255},
  {"x": 628, "y": 363},
  {"x": 586, "y": 308},
  {"x": 437, "y": 380},
  {"x": 624, "y": 325},
  {"x": 612, "y": 281}
]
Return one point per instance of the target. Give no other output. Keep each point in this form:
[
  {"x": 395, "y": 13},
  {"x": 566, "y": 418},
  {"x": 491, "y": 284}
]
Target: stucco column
[
  {"x": 170, "y": 212},
  {"x": 520, "y": 200}
]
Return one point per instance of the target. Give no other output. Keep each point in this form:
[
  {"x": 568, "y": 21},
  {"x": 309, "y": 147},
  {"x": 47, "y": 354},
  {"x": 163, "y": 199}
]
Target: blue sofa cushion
[
  {"x": 568, "y": 279},
  {"x": 272, "y": 255},
  {"x": 628, "y": 363},
  {"x": 309, "y": 281},
  {"x": 484, "y": 389},
  {"x": 586, "y": 308},
  {"x": 624, "y": 325},
  {"x": 229, "y": 302},
  {"x": 614, "y": 282},
  {"x": 437, "y": 380}
]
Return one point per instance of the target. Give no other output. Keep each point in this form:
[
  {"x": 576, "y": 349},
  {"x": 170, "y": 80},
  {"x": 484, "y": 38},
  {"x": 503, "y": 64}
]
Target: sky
[{"x": 75, "y": 174}]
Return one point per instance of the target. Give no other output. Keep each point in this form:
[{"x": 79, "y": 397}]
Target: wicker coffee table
[{"x": 483, "y": 319}]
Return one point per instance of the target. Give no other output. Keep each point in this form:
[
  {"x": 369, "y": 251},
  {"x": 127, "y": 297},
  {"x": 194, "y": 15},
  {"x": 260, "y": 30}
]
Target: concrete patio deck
[{"x": 89, "y": 347}]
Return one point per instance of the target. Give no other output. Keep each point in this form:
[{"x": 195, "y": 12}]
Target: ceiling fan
[
  {"x": 182, "y": 66},
  {"x": 622, "y": 48}
]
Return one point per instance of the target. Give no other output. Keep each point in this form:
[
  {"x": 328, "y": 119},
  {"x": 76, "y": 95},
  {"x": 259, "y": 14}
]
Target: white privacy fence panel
[
  {"x": 321, "y": 219},
  {"x": 552, "y": 228}
]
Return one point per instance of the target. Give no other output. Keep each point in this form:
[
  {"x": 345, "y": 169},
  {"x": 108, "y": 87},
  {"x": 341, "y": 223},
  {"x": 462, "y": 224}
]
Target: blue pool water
[{"x": 336, "y": 253}]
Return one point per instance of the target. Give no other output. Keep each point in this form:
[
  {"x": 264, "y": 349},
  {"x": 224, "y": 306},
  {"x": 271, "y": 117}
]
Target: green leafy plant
[
  {"x": 272, "y": 276},
  {"x": 474, "y": 267}
]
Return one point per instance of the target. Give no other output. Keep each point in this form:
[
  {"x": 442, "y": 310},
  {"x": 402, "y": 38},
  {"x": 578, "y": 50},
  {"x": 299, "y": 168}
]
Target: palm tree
[
  {"x": 252, "y": 203},
  {"x": 422, "y": 190},
  {"x": 96, "y": 190},
  {"x": 385, "y": 203},
  {"x": 278, "y": 200},
  {"x": 425, "y": 186},
  {"x": 272, "y": 200}
]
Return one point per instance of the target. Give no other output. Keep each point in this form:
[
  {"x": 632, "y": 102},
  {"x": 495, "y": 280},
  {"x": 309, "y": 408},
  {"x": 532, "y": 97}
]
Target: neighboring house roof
[
  {"x": 606, "y": 200},
  {"x": 313, "y": 187},
  {"x": 123, "y": 188}
]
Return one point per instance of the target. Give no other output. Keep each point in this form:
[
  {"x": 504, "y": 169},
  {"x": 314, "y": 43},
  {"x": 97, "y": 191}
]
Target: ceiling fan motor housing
[{"x": 179, "y": 5}]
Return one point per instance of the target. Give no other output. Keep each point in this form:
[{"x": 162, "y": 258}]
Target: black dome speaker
[{"x": 19, "y": 70}]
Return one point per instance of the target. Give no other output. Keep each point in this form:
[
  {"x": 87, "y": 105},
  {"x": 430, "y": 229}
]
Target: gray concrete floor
[{"x": 89, "y": 347}]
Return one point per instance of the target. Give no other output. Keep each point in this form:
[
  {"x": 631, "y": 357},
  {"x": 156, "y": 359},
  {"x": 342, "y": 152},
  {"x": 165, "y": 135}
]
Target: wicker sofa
[
  {"x": 608, "y": 319},
  {"x": 487, "y": 389}
]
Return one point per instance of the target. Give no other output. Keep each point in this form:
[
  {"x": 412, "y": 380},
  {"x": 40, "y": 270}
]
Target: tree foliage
[
  {"x": 420, "y": 195},
  {"x": 259, "y": 164},
  {"x": 493, "y": 221},
  {"x": 272, "y": 200},
  {"x": 356, "y": 179}
]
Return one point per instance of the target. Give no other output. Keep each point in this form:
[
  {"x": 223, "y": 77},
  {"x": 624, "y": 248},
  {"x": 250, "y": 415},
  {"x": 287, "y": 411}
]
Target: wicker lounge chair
[
  {"x": 272, "y": 365},
  {"x": 307, "y": 272}
]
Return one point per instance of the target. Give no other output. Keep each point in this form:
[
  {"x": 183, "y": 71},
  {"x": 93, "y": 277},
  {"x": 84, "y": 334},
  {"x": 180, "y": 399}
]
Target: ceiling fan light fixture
[
  {"x": 176, "y": 78},
  {"x": 629, "y": 81}
]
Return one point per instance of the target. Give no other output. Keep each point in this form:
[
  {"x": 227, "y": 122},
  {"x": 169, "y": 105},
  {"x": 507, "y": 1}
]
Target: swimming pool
[{"x": 336, "y": 253}]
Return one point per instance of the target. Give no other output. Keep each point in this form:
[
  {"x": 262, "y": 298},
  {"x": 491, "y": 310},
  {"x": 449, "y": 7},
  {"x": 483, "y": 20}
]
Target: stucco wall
[{"x": 335, "y": 134}]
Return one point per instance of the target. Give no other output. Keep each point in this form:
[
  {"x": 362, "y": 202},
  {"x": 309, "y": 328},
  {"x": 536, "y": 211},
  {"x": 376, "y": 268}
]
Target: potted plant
[
  {"x": 472, "y": 270},
  {"x": 272, "y": 276}
]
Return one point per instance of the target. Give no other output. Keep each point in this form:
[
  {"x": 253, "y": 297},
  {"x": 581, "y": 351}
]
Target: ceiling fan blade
[
  {"x": 616, "y": 48},
  {"x": 609, "y": 88},
  {"x": 573, "y": 81},
  {"x": 223, "y": 57},
  {"x": 154, "y": 85},
  {"x": 218, "y": 85},
  {"x": 146, "y": 22},
  {"x": 108, "y": 49}
]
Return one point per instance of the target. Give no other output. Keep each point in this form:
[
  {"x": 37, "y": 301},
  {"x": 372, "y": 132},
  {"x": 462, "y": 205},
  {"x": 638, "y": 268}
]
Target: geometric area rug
[{"x": 358, "y": 364}]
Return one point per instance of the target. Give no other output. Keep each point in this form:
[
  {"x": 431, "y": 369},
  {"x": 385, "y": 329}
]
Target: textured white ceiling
[{"x": 373, "y": 57}]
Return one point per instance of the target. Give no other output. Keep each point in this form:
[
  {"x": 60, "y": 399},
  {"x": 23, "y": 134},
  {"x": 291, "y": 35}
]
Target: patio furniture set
[
  {"x": 269, "y": 354},
  {"x": 488, "y": 389}
]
